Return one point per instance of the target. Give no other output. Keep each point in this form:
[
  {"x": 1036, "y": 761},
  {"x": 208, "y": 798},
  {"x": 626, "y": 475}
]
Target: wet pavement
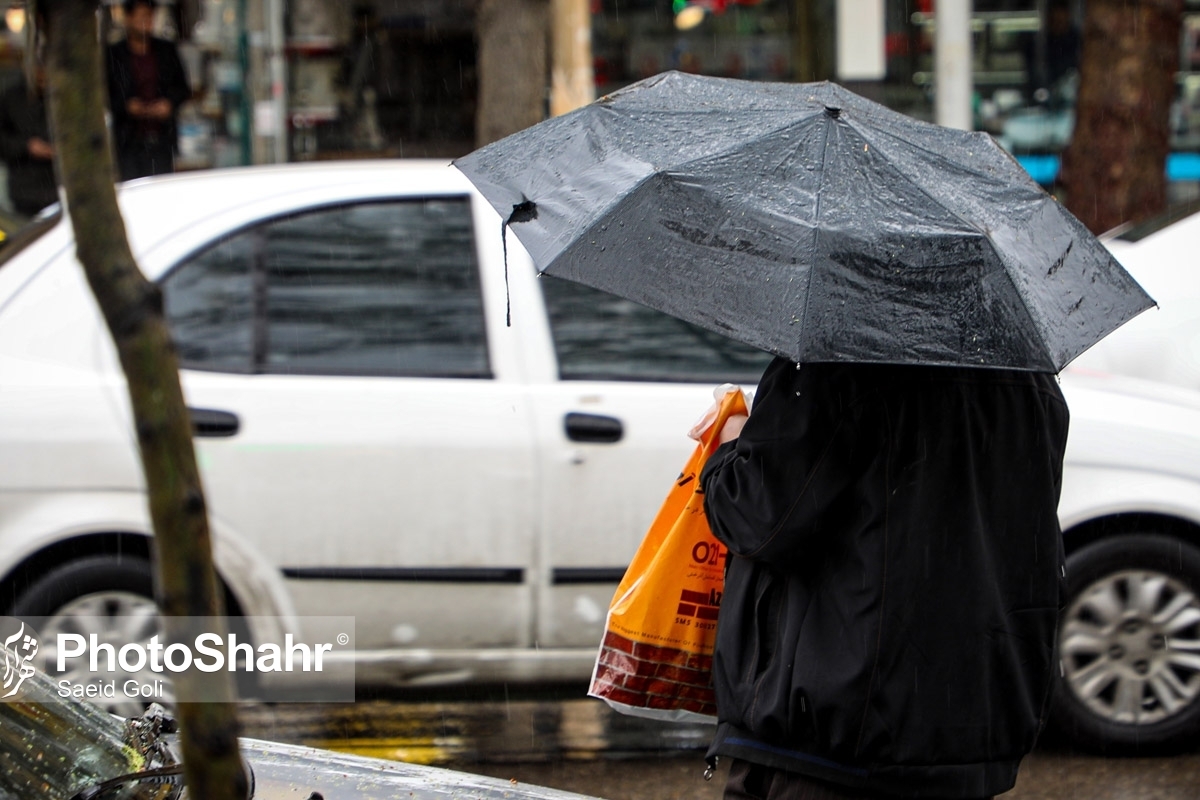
[
  {"x": 561, "y": 739},
  {"x": 1045, "y": 775}
]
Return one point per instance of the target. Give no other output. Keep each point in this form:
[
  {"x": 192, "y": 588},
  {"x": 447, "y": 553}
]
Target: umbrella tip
[{"x": 833, "y": 112}]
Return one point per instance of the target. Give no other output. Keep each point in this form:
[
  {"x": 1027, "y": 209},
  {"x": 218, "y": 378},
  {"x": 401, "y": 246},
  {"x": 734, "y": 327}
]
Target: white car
[
  {"x": 1162, "y": 344},
  {"x": 395, "y": 425}
]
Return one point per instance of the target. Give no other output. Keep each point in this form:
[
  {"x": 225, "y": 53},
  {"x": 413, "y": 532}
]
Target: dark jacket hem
[{"x": 924, "y": 780}]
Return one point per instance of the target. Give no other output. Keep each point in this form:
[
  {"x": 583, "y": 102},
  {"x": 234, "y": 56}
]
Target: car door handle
[
  {"x": 593, "y": 428},
  {"x": 208, "y": 422}
]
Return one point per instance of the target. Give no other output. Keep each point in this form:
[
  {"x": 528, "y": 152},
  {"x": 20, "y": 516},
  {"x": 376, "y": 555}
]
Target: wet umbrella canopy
[{"x": 809, "y": 222}]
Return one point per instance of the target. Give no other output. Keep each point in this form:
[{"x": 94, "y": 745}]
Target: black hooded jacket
[{"x": 895, "y": 574}]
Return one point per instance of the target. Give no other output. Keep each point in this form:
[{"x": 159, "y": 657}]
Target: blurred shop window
[
  {"x": 634, "y": 39},
  {"x": 387, "y": 288},
  {"x": 1052, "y": 55},
  {"x": 1186, "y": 114},
  {"x": 1009, "y": 50},
  {"x": 209, "y": 304},
  {"x": 380, "y": 78},
  {"x": 601, "y": 337}
]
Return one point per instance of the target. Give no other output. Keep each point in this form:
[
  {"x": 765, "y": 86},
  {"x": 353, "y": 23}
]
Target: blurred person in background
[
  {"x": 25, "y": 145},
  {"x": 146, "y": 85}
]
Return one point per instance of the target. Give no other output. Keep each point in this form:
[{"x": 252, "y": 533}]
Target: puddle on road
[{"x": 457, "y": 732}]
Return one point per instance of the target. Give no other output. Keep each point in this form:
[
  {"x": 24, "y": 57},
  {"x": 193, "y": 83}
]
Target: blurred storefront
[
  {"x": 383, "y": 78},
  {"x": 1025, "y": 58},
  {"x": 289, "y": 80},
  {"x": 211, "y": 38},
  {"x": 299, "y": 80}
]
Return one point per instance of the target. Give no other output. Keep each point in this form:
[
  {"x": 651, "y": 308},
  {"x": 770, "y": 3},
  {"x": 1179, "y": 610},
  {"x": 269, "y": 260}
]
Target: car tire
[
  {"x": 87, "y": 576},
  {"x": 1128, "y": 639},
  {"x": 112, "y": 591},
  {"x": 107, "y": 584}
]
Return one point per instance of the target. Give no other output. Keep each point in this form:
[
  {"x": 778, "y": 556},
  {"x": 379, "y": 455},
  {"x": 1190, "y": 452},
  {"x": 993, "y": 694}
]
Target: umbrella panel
[
  {"x": 807, "y": 270},
  {"x": 758, "y": 211}
]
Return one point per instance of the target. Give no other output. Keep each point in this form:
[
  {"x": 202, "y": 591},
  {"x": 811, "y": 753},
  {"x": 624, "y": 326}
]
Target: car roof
[
  {"x": 177, "y": 208},
  {"x": 1137, "y": 231},
  {"x": 193, "y": 194}
]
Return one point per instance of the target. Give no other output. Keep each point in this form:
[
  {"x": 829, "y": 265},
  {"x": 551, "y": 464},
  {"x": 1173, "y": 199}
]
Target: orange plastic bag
[{"x": 656, "y": 657}]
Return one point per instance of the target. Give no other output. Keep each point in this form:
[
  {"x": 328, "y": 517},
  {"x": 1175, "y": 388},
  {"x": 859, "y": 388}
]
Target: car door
[
  {"x": 352, "y": 424},
  {"x": 612, "y": 437}
]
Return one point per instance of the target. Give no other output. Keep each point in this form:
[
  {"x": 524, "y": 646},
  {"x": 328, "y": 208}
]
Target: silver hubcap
[
  {"x": 1130, "y": 647},
  {"x": 116, "y": 618}
]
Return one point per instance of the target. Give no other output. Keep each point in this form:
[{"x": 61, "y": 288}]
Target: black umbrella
[{"x": 810, "y": 222}]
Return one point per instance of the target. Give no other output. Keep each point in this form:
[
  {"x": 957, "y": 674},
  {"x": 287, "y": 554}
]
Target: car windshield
[
  {"x": 1138, "y": 231},
  {"x": 56, "y": 747}
]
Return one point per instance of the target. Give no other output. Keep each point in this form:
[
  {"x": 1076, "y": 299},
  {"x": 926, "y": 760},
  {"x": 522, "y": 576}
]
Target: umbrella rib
[
  {"x": 882, "y": 153},
  {"x": 734, "y": 147},
  {"x": 984, "y": 138},
  {"x": 816, "y": 232}
]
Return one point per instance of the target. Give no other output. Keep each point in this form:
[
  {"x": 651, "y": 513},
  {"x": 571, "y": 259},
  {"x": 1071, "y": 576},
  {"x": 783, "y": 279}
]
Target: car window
[
  {"x": 376, "y": 289},
  {"x": 598, "y": 336},
  {"x": 388, "y": 288},
  {"x": 209, "y": 305}
]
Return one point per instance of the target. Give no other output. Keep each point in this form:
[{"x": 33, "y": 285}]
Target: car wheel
[
  {"x": 1129, "y": 644},
  {"x": 110, "y": 597}
]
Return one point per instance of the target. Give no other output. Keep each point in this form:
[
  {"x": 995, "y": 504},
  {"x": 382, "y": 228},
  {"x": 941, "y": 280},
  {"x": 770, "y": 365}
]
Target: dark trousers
[
  {"x": 749, "y": 781},
  {"x": 139, "y": 158}
]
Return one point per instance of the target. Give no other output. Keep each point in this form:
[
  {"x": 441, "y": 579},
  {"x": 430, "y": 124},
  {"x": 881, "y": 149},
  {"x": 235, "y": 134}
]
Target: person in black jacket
[
  {"x": 894, "y": 580},
  {"x": 146, "y": 86},
  {"x": 25, "y": 145}
]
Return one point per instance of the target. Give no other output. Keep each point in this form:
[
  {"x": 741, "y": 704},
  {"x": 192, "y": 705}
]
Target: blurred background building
[{"x": 290, "y": 80}]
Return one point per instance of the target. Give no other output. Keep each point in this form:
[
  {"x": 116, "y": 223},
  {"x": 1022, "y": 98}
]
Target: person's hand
[
  {"x": 159, "y": 110},
  {"x": 710, "y": 416},
  {"x": 40, "y": 149},
  {"x": 733, "y": 428},
  {"x": 136, "y": 108}
]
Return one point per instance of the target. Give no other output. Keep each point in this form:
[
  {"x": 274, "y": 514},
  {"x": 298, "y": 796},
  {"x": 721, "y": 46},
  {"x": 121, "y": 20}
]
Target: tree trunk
[
  {"x": 1114, "y": 169},
  {"x": 571, "y": 83},
  {"x": 512, "y": 67},
  {"x": 132, "y": 308}
]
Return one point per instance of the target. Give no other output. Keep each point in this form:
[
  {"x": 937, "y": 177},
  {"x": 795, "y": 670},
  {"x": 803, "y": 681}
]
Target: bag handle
[{"x": 729, "y": 401}]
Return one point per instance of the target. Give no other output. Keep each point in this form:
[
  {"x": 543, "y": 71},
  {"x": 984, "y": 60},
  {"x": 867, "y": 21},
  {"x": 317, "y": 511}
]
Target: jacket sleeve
[
  {"x": 175, "y": 84},
  {"x": 768, "y": 494}
]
